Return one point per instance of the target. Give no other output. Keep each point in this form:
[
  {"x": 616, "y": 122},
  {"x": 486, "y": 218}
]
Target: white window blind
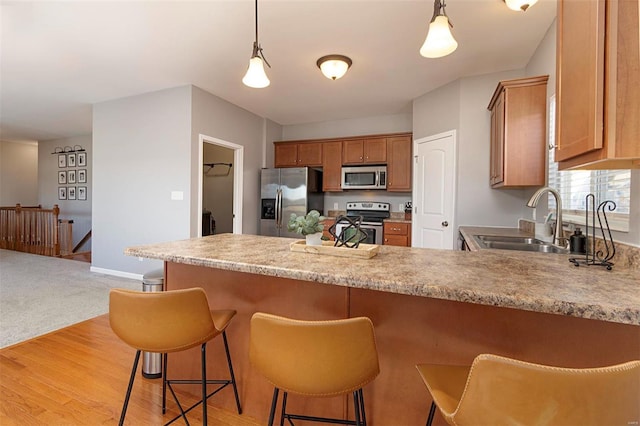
[{"x": 573, "y": 186}]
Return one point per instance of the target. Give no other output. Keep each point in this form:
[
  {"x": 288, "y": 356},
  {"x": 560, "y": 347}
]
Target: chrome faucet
[{"x": 558, "y": 236}]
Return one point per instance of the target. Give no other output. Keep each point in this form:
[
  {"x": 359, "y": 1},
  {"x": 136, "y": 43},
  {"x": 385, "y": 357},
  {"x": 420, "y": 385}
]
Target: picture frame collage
[{"x": 72, "y": 174}]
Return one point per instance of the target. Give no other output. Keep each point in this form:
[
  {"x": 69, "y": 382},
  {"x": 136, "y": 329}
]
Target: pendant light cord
[{"x": 257, "y": 50}]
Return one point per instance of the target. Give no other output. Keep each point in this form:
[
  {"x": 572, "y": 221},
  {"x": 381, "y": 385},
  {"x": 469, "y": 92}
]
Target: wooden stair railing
[{"x": 30, "y": 229}]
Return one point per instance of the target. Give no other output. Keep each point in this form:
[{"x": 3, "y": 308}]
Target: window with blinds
[{"x": 574, "y": 185}]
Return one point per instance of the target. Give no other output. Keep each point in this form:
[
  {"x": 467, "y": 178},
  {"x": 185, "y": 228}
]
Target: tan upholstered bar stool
[
  {"x": 170, "y": 321},
  {"x": 497, "y": 390},
  {"x": 314, "y": 359}
]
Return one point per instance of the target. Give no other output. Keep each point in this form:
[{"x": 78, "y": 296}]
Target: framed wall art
[
  {"x": 62, "y": 160},
  {"x": 71, "y": 176},
  {"x": 82, "y": 159},
  {"x": 62, "y": 193},
  {"x": 82, "y": 193},
  {"x": 71, "y": 193},
  {"x": 62, "y": 177},
  {"x": 82, "y": 176},
  {"x": 71, "y": 160}
]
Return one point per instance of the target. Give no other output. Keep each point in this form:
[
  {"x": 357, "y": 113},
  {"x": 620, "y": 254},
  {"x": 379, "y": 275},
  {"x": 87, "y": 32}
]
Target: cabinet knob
[{"x": 445, "y": 223}]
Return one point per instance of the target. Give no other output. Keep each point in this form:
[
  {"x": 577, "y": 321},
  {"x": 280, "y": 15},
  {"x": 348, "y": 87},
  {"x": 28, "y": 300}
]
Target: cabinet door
[
  {"x": 286, "y": 155},
  {"x": 310, "y": 154},
  {"x": 375, "y": 151},
  {"x": 399, "y": 164},
  {"x": 332, "y": 166},
  {"x": 328, "y": 223},
  {"x": 579, "y": 77},
  {"x": 397, "y": 234},
  {"x": 353, "y": 151},
  {"x": 497, "y": 141}
]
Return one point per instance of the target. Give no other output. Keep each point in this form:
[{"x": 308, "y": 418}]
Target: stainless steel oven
[{"x": 372, "y": 214}]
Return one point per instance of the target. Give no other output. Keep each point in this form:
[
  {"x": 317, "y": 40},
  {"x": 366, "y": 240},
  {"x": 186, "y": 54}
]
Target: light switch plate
[
  {"x": 177, "y": 195},
  {"x": 335, "y": 206}
]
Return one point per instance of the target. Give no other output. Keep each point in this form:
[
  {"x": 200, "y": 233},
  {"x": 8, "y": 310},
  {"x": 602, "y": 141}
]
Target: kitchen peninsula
[{"x": 426, "y": 306}]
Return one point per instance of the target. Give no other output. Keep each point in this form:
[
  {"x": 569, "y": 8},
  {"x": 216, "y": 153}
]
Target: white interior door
[{"x": 434, "y": 186}]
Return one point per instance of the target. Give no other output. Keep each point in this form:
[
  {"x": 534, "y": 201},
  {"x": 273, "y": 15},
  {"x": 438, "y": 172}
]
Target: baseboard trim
[{"x": 115, "y": 273}]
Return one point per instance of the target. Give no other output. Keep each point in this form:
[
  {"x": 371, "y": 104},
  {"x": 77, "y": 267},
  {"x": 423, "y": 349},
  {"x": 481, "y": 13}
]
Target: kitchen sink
[
  {"x": 501, "y": 239},
  {"x": 517, "y": 243}
]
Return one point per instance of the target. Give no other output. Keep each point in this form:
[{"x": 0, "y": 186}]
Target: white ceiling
[{"x": 60, "y": 57}]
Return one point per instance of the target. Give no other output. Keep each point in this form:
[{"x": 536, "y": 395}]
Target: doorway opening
[{"x": 219, "y": 186}]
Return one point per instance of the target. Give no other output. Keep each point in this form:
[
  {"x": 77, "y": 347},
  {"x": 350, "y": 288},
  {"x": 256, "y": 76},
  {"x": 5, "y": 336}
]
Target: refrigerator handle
[{"x": 278, "y": 207}]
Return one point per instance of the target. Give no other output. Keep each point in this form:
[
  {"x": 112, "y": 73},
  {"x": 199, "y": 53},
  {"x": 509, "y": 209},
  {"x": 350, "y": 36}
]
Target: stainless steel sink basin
[
  {"x": 517, "y": 243},
  {"x": 501, "y": 239}
]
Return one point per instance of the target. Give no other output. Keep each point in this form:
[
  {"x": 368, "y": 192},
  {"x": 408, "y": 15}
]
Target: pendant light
[
  {"x": 255, "y": 76},
  {"x": 439, "y": 41},
  {"x": 334, "y": 66},
  {"x": 520, "y": 5}
]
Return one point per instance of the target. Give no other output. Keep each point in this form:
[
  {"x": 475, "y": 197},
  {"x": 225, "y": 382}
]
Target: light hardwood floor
[{"x": 78, "y": 376}]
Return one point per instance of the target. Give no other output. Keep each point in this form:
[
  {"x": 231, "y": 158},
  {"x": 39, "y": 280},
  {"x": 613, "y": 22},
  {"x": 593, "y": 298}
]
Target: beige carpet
[{"x": 39, "y": 294}]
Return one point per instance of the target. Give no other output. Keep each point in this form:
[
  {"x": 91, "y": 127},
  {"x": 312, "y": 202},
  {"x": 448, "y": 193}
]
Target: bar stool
[
  {"x": 170, "y": 321},
  {"x": 499, "y": 390},
  {"x": 314, "y": 359}
]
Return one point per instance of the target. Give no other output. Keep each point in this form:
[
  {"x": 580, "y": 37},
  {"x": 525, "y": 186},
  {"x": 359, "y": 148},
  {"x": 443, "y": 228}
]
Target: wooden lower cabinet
[
  {"x": 328, "y": 223},
  {"x": 397, "y": 234}
]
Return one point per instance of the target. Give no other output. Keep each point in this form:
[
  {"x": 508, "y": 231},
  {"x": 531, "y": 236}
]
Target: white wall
[
  {"x": 350, "y": 127},
  {"x": 77, "y": 210},
  {"x": 142, "y": 152},
  {"x": 215, "y": 117},
  {"x": 19, "y": 174}
]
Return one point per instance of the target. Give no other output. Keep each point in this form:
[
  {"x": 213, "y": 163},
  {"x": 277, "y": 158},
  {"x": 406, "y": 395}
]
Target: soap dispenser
[{"x": 578, "y": 242}]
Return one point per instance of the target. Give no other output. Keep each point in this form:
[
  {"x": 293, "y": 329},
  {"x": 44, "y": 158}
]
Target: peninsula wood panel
[
  {"x": 247, "y": 294},
  {"x": 409, "y": 330}
]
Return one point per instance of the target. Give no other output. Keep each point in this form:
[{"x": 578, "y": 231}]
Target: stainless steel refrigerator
[{"x": 288, "y": 190}]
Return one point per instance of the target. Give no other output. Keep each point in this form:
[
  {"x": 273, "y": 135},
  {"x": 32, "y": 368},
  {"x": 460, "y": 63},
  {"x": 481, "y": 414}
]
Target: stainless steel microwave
[{"x": 364, "y": 177}]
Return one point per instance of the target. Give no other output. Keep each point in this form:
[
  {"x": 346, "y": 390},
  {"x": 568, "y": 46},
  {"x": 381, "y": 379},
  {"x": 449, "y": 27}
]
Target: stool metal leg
[
  {"x": 131, "y": 379},
  {"x": 356, "y": 406},
  {"x": 233, "y": 377},
  {"x": 164, "y": 383},
  {"x": 284, "y": 409},
  {"x": 432, "y": 412},
  {"x": 204, "y": 384},
  {"x": 274, "y": 402}
]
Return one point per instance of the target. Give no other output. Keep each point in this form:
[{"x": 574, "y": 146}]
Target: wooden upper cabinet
[
  {"x": 598, "y": 84},
  {"x": 332, "y": 166},
  {"x": 518, "y": 133},
  {"x": 497, "y": 141},
  {"x": 298, "y": 154},
  {"x": 364, "y": 151},
  {"x": 399, "y": 163}
]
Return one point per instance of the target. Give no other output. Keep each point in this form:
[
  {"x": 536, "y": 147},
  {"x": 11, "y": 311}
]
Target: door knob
[{"x": 445, "y": 223}]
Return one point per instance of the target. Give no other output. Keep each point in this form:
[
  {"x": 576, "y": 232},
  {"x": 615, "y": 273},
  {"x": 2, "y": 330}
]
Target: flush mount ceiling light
[
  {"x": 255, "y": 76},
  {"x": 439, "y": 41},
  {"x": 520, "y": 5},
  {"x": 334, "y": 66}
]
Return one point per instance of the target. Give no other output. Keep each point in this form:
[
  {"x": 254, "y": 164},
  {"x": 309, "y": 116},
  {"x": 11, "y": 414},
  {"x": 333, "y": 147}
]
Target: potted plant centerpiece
[{"x": 309, "y": 225}]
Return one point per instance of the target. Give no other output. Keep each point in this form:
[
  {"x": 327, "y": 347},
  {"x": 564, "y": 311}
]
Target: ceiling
[{"x": 60, "y": 57}]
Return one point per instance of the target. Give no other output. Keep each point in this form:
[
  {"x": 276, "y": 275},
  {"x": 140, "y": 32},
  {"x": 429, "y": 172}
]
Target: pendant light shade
[
  {"x": 334, "y": 66},
  {"x": 255, "y": 76},
  {"x": 520, "y": 5},
  {"x": 439, "y": 41}
]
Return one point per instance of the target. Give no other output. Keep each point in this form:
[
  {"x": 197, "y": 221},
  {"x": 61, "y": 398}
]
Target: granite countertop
[{"x": 537, "y": 282}]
